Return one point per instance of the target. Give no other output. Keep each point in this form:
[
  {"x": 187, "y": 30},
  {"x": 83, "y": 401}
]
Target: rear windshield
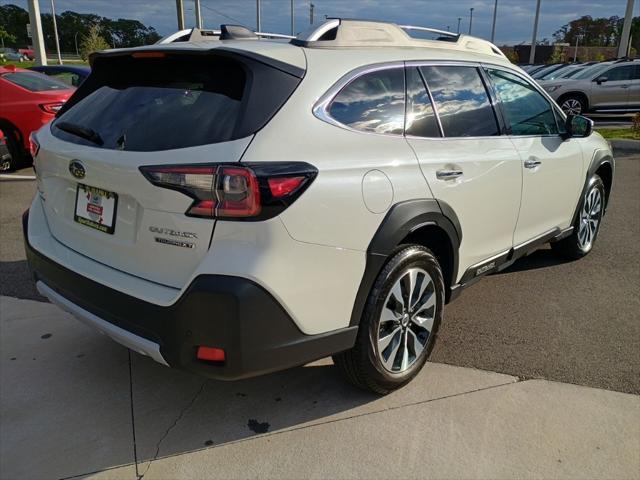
[
  {"x": 36, "y": 82},
  {"x": 177, "y": 101}
]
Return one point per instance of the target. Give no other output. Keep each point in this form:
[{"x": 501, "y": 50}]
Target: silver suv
[{"x": 611, "y": 87}]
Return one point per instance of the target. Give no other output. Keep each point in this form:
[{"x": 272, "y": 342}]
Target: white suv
[{"x": 235, "y": 206}]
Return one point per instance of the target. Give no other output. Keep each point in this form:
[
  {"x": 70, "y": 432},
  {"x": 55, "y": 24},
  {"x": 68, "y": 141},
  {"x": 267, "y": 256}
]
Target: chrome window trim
[{"x": 321, "y": 107}]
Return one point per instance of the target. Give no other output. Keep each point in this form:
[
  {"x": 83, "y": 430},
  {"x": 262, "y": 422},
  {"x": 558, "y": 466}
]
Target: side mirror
[
  {"x": 601, "y": 79},
  {"x": 578, "y": 126}
]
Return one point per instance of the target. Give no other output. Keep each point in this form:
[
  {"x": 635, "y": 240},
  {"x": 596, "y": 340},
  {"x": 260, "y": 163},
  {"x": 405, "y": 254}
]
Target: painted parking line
[{"x": 17, "y": 177}]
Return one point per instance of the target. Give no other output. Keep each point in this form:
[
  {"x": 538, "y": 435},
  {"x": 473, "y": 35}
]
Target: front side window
[
  {"x": 462, "y": 101},
  {"x": 421, "y": 120},
  {"x": 619, "y": 73},
  {"x": 527, "y": 111},
  {"x": 373, "y": 102}
]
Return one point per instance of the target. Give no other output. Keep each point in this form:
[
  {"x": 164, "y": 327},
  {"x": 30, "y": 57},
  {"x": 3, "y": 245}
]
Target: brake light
[
  {"x": 51, "y": 108},
  {"x": 34, "y": 146},
  {"x": 210, "y": 354},
  {"x": 233, "y": 191}
]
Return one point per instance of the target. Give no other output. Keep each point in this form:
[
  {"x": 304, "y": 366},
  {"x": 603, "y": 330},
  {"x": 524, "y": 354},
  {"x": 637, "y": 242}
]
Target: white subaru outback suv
[{"x": 235, "y": 205}]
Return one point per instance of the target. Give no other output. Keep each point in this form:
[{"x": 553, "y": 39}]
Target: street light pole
[
  {"x": 293, "y": 18},
  {"x": 495, "y": 15},
  {"x": 258, "y": 19},
  {"x": 575, "y": 53},
  {"x": 532, "y": 55},
  {"x": 625, "y": 38},
  {"x": 180, "y": 12},
  {"x": 36, "y": 32},
  {"x": 198, "y": 15},
  {"x": 75, "y": 40},
  {"x": 459, "y": 19},
  {"x": 470, "y": 19},
  {"x": 55, "y": 32}
]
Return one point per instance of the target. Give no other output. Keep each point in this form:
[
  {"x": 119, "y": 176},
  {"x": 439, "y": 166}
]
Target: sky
[{"x": 514, "y": 23}]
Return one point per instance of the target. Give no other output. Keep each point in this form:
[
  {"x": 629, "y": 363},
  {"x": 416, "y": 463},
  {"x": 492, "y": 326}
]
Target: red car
[{"x": 28, "y": 100}]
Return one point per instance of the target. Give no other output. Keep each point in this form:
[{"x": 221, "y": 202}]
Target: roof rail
[
  {"x": 337, "y": 32},
  {"x": 226, "y": 32}
]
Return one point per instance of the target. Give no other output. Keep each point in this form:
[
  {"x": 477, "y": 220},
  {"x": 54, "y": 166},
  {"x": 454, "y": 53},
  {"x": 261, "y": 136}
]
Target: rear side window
[
  {"x": 35, "y": 82},
  {"x": 172, "y": 102},
  {"x": 462, "y": 101},
  {"x": 421, "y": 120},
  {"x": 527, "y": 111},
  {"x": 373, "y": 102}
]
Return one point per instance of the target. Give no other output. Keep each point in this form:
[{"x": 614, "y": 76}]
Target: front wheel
[
  {"x": 587, "y": 223},
  {"x": 573, "y": 105},
  {"x": 399, "y": 324}
]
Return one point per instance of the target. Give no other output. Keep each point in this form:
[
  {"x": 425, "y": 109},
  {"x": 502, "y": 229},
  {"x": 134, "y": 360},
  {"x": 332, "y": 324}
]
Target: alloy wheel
[
  {"x": 590, "y": 215},
  {"x": 406, "y": 320},
  {"x": 571, "y": 106}
]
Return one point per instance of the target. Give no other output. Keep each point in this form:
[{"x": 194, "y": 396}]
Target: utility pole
[
  {"x": 575, "y": 53},
  {"x": 36, "y": 32},
  {"x": 258, "y": 19},
  {"x": 495, "y": 15},
  {"x": 459, "y": 19},
  {"x": 55, "y": 32},
  {"x": 625, "y": 38},
  {"x": 293, "y": 18},
  {"x": 470, "y": 19},
  {"x": 532, "y": 55},
  {"x": 180, "y": 12},
  {"x": 198, "y": 15},
  {"x": 311, "y": 7}
]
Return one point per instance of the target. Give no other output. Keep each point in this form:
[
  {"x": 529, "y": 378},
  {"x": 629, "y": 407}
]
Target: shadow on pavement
[
  {"x": 17, "y": 282},
  {"x": 542, "y": 258}
]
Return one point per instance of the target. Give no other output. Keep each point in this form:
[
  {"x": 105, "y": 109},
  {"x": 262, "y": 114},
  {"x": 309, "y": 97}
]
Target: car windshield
[
  {"x": 557, "y": 73},
  {"x": 573, "y": 73},
  {"x": 593, "y": 70},
  {"x": 35, "y": 82}
]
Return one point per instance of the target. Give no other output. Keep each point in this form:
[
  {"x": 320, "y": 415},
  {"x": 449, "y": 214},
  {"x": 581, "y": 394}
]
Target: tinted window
[
  {"x": 619, "y": 73},
  {"x": 636, "y": 73},
  {"x": 462, "y": 101},
  {"x": 421, "y": 121},
  {"x": 527, "y": 111},
  {"x": 36, "y": 82},
  {"x": 373, "y": 102},
  {"x": 162, "y": 105}
]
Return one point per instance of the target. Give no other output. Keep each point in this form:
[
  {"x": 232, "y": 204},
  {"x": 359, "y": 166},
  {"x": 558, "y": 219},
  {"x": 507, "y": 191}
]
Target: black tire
[
  {"x": 573, "y": 104},
  {"x": 15, "y": 150},
  {"x": 362, "y": 365},
  {"x": 574, "y": 246}
]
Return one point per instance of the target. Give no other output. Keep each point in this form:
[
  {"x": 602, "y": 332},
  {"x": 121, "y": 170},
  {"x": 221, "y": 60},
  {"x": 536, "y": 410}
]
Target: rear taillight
[
  {"x": 34, "y": 146},
  {"x": 51, "y": 108},
  {"x": 234, "y": 191}
]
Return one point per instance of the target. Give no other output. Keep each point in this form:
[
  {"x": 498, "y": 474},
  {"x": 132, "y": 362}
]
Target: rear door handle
[
  {"x": 448, "y": 174},
  {"x": 532, "y": 163}
]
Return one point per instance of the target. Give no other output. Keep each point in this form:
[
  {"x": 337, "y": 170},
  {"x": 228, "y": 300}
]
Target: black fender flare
[
  {"x": 402, "y": 219},
  {"x": 600, "y": 158}
]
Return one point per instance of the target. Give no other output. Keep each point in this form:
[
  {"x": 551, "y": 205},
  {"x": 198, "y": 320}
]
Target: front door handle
[
  {"x": 532, "y": 163},
  {"x": 448, "y": 174}
]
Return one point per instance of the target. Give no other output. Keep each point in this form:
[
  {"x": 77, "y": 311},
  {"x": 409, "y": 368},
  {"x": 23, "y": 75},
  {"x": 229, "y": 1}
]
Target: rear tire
[
  {"x": 396, "y": 335},
  {"x": 573, "y": 105},
  {"x": 587, "y": 223}
]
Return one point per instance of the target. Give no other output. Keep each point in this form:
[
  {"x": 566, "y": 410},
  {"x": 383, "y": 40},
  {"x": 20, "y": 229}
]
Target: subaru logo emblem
[{"x": 77, "y": 169}]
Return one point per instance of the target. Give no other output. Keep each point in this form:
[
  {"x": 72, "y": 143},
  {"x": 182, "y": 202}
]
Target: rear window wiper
[{"x": 80, "y": 131}]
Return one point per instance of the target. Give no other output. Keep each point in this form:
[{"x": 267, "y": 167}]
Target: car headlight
[{"x": 553, "y": 88}]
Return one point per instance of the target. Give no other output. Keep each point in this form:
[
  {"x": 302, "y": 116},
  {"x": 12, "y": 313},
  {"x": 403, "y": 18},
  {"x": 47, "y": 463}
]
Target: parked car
[
  {"x": 239, "y": 206},
  {"x": 5, "y": 156},
  {"x": 28, "y": 53},
  {"x": 72, "y": 75},
  {"x": 11, "y": 55},
  {"x": 548, "y": 69},
  {"x": 28, "y": 100},
  {"x": 608, "y": 87}
]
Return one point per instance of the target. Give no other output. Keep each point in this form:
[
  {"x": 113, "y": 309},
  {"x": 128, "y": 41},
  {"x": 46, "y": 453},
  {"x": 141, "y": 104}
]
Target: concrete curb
[{"x": 625, "y": 146}]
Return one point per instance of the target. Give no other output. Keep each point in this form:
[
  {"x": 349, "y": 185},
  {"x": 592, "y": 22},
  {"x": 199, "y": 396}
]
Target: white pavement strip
[
  {"x": 65, "y": 388},
  {"x": 8, "y": 176}
]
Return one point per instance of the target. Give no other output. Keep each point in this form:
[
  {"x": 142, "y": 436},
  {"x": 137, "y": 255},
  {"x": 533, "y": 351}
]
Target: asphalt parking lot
[{"x": 74, "y": 404}]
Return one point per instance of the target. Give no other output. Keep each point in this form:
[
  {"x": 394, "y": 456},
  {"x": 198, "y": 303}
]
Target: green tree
[
  {"x": 92, "y": 42},
  {"x": 6, "y": 37}
]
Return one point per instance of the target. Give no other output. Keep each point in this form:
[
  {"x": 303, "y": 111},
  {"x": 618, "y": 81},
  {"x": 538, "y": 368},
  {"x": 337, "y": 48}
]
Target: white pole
[
  {"x": 55, "y": 32},
  {"x": 258, "y": 19},
  {"x": 198, "y": 15},
  {"x": 180, "y": 13},
  {"x": 293, "y": 18},
  {"x": 532, "y": 55},
  {"x": 495, "y": 15},
  {"x": 470, "y": 19},
  {"x": 625, "y": 39},
  {"x": 575, "y": 54},
  {"x": 36, "y": 32}
]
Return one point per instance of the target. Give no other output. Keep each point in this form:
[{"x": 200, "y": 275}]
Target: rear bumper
[{"x": 227, "y": 312}]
